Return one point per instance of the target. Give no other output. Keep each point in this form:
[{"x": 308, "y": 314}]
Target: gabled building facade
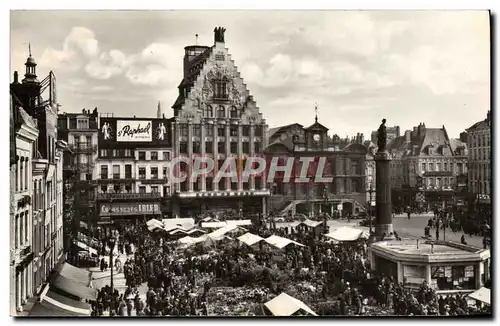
[
  {"x": 216, "y": 117},
  {"x": 425, "y": 167}
]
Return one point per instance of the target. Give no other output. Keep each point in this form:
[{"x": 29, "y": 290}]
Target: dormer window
[{"x": 220, "y": 89}]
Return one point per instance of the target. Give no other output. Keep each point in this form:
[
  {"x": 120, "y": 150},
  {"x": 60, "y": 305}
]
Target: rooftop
[{"x": 429, "y": 251}]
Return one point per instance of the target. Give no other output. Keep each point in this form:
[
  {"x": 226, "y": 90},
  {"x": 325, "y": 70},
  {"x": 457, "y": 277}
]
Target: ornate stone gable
[{"x": 220, "y": 67}]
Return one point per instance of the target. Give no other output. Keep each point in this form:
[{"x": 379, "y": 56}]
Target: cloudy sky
[{"x": 358, "y": 66}]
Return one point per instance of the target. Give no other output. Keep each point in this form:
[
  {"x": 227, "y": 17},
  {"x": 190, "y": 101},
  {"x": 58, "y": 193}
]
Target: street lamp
[
  {"x": 111, "y": 244},
  {"x": 294, "y": 142},
  {"x": 370, "y": 191}
]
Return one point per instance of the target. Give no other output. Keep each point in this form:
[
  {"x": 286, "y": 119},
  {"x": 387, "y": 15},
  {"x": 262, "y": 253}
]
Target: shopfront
[{"x": 114, "y": 215}]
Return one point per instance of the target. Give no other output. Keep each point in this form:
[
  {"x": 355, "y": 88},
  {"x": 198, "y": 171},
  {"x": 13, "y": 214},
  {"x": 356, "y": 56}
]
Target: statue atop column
[
  {"x": 382, "y": 137},
  {"x": 219, "y": 34}
]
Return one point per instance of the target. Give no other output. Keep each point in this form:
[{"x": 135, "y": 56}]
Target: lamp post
[
  {"x": 111, "y": 244},
  {"x": 294, "y": 142},
  {"x": 370, "y": 191}
]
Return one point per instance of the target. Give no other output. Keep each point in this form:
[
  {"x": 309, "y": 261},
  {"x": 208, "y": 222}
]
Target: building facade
[
  {"x": 426, "y": 165},
  {"x": 79, "y": 131},
  {"x": 479, "y": 163},
  {"x": 21, "y": 212},
  {"x": 133, "y": 165},
  {"x": 336, "y": 172},
  {"x": 215, "y": 117},
  {"x": 39, "y": 235}
]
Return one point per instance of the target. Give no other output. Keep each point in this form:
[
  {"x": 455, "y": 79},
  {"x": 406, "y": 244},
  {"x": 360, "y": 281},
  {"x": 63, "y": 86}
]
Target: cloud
[
  {"x": 80, "y": 41},
  {"x": 406, "y": 66},
  {"x": 156, "y": 65},
  {"x": 108, "y": 64}
]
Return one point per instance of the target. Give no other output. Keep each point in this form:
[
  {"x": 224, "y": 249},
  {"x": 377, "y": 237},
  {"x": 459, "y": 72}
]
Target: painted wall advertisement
[
  {"x": 128, "y": 132},
  {"x": 133, "y": 131},
  {"x": 120, "y": 209}
]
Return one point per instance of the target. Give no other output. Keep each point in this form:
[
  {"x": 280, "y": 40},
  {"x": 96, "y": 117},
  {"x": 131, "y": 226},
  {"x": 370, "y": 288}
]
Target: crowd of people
[{"x": 179, "y": 279}]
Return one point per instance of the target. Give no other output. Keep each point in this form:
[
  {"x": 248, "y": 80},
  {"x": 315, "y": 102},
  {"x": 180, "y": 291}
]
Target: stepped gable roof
[{"x": 190, "y": 79}]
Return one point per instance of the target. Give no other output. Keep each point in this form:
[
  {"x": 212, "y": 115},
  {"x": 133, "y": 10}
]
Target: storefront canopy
[
  {"x": 483, "y": 295},
  {"x": 285, "y": 305},
  {"x": 76, "y": 274},
  {"x": 74, "y": 288},
  {"x": 280, "y": 242},
  {"x": 347, "y": 234},
  {"x": 84, "y": 247},
  {"x": 56, "y": 305},
  {"x": 250, "y": 239}
]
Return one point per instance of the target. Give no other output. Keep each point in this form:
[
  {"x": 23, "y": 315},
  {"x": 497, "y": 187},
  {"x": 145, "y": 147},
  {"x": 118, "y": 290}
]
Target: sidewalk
[{"x": 101, "y": 279}]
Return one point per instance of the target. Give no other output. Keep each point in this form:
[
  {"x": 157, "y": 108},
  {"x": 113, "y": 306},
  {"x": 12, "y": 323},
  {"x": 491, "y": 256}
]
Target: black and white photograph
[{"x": 250, "y": 163}]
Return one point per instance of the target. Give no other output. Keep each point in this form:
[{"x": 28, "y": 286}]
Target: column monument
[{"x": 383, "y": 218}]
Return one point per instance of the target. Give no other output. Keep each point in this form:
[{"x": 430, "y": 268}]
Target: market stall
[
  {"x": 483, "y": 295},
  {"x": 250, "y": 239},
  {"x": 284, "y": 305},
  {"x": 345, "y": 234},
  {"x": 280, "y": 242}
]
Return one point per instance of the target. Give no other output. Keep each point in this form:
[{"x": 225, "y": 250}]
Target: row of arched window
[{"x": 220, "y": 112}]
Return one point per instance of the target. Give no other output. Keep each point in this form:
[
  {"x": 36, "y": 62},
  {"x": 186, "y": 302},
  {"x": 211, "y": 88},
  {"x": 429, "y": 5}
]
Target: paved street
[
  {"x": 410, "y": 228},
  {"x": 101, "y": 279}
]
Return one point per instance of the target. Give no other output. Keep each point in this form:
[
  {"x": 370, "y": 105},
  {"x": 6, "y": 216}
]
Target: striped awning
[{"x": 56, "y": 305}]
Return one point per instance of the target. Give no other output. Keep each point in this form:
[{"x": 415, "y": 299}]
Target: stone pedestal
[{"x": 383, "y": 218}]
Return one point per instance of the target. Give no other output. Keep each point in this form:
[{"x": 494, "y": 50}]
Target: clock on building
[{"x": 316, "y": 137}]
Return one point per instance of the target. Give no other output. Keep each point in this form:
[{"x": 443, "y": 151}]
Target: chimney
[
  {"x": 361, "y": 139},
  {"x": 407, "y": 136},
  {"x": 488, "y": 115},
  {"x": 16, "y": 80}
]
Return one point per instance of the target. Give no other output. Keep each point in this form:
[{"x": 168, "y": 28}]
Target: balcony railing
[
  {"x": 130, "y": 195},
  {"x": 83, "y": 148},
  {"x": 79, "y": 166},
  {"x": 106, "y": 180},
  {"x": 154, "y": 181}
]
